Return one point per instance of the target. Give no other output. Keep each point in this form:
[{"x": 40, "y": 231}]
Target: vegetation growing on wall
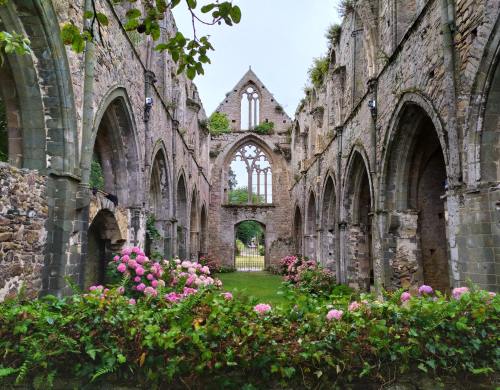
[
  {"x": 265, "y": 128},
  {"x": 346, "y": 7},
  {"x": 96, "y": 175},
  {"x": 318, "y": 71},
  {"x": 333, "y": 34},
  {"x": 218, "y": 124}
]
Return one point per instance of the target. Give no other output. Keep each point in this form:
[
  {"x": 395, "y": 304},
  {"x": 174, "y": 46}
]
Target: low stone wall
[{"x": 23, "y": 213}]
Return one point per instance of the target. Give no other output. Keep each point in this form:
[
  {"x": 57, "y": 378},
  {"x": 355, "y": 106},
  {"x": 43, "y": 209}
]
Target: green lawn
[{"x": 261, "y": 285}]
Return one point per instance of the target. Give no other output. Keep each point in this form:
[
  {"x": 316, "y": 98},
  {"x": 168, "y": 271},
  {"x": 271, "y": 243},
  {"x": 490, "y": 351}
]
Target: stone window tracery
[
  {"x": 250, "y": 108},
  {"x": 250, "y": 176}
]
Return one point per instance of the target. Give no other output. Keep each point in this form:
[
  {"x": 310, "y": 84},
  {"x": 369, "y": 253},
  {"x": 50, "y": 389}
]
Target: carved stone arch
[
  {"x": 414, "y": 180},
  {"x": 263, "y": 152},
  {"x": 482, "y": 124},
  {"x": 116, "y": 147},
  {"x": 194, "y": 228},
  {"x": 203, "y": 230},
  {"x": 311, "y": 220},
  {"x": 367, "y": 13},
  {"x": 328, "y": 221},
  {"x": 420, "y": 104},
  {"x": 298, "y": 229},
  {"x": 251, "y": 100},
  {"x": 182, "y": 215},
  {"x": 39, "y": 99}
]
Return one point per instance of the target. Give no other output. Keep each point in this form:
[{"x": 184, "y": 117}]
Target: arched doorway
[
  {"x": 182, "y": 218},
  {"x": 194, "y": 235},
  {"x": 298, "y": 232},
  {"x": 104, "y": 239},
  {"x": 250, "y": 246},
  {"x": 357, "y": 206},
  {"x": 415, "y": 195},
  {"x": 158, "y": 225},
  {"x": 203, "y": 232},
  {"x": 328, "y": 226},
  {"x": 310, "y": 233}
]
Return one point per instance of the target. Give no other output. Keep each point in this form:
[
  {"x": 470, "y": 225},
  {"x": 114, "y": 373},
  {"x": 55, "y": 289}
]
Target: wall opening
[
  {"x": 250, "y": 177},
  {"x": 194, "y": 228},
  {"x": 203, "y": 232},
  {"x": 182, "y": 219},
  {"x": 311, "y": 229},
  {"x": 249, "y": 246},
  {"x": 328, "y": 226},
  {"x": 104, "y": 239},
  {"x": 298, "y": 233},
  {"x": 250, "y": 108}
]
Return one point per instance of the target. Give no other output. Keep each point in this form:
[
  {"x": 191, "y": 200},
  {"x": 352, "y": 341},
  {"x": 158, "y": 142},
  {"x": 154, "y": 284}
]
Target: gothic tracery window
[
  {"x": 250, "y": 108},
  {"x": 250, "y": 176}
]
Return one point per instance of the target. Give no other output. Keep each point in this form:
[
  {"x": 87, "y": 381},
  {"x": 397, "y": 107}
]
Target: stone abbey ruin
[{"x": 388, "y": 174}]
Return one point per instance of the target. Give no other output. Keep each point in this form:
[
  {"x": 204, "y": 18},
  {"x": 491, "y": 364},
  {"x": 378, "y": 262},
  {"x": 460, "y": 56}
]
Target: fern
[
  {"x": 6, "y": 371},
  {"x": 102, "y": 371},
  {"x": 23, "y": 372}
]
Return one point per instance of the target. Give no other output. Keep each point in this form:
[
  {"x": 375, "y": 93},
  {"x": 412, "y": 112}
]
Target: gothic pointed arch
[
  {"x": 36, "y": 96},
  {"x": 203, "y": 231},
  {"x": 415, "y": 183},
  {"x": 298, "y": 230},
  {"x": 182, "y": 216},
  {"x": 194, "y": 227},
  {"x": 357, "y": 206},
  {"x": 328, "y": 223},
  {"x": 310, "y": 236},
  {"x": 115, "y": 152}
]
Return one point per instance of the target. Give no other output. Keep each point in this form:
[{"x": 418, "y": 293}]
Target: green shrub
[
  {"x": 318, "y": 71},
  {"x": 333, "y": 34},
  {"x": 96, "y": 175},
  {"x": 218, "y": 124},
  {"x": 265, "y": 128},
  {"x": 211, "y": 341}
]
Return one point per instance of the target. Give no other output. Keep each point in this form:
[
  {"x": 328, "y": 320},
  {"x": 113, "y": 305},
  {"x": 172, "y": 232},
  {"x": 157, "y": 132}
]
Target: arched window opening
[
  {"x": 158, "y": 226},
  {"x": 310, "y": 236},
  {"x": 181, "y": 219},
  {"x": 298, "y": 231},
  {"x": 249, "y": 178},
  {"x": 103, "y": 240},
  {"x": 250, "y": 108},
  {"x": 328, "y": 226},
  {"x": 194, "y": 228},
  {"x": 250, "y": 246},
  {"x": 357, "y": 203},
  {"x": 203, "y": 232}
]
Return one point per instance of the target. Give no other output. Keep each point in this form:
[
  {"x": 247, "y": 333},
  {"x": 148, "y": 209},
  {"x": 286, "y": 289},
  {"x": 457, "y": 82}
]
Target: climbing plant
[
  {"x": 96, "y": 175},
  {"x": 264, "y": 128},
  {"x": 318, "y": 70}
]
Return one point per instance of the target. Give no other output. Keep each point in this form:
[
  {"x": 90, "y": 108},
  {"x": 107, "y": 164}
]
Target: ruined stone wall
[
  {"x": 412, "y": 70},
  {"x": 23, "y": 234}
]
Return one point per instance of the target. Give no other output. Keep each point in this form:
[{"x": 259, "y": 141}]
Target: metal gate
[{"x": 249, "y": 258}]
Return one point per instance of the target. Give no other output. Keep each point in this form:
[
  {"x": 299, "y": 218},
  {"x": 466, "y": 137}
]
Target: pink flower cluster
[
  {"x": 353, "y": 306},
  {"x": 173, "y": 296},
  {"x": 262, "y": 308},
  {"x": 334, "y": 315},
  {"x": 191, "y": 274},
  {"x": 425, "y": 290},
  {"x": 292, "y": 267},
  {"x": 459, "y": 291},
  {"x": 405, "y": 296}
]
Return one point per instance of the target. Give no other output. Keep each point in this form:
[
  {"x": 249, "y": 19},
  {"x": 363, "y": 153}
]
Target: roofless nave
[{"x": 388, "y": 174}]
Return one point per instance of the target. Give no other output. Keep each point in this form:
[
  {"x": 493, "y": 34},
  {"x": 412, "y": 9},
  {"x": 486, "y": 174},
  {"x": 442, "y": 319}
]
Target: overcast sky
[{"x": 278, "y": 38}]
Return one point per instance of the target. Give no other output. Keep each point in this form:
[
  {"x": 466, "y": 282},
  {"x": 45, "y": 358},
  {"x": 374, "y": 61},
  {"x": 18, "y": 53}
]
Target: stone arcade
[{"x": 388, "y": 175}]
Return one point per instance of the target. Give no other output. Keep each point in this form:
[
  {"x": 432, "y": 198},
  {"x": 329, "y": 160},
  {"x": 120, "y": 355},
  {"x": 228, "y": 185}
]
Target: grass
[{"x": 261, "y": 285}]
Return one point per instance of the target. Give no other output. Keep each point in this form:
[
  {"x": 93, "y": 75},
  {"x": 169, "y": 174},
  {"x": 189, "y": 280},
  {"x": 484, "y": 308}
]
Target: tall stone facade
[
  {"x": 273, "y": 215},
  {"x": 396, "y": 155},
  {"x": 389, "y": 173},
  {"x": 154, "y": 158}
]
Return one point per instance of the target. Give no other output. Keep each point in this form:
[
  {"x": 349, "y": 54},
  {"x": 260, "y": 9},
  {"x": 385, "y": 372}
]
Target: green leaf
[
  {"x": 121, "y": 359},
  {"x": 88, "y": 14},
  {"x": 191, "y": 73},
  {"x": 103, "y": 19},
  {"x": 422, "y": 367},
  {"x": 207, "y": 8},
  {"x": 133, "y": 13},
  {"x": 235, "y": 14},
  {"x": 191, "y": 3}
]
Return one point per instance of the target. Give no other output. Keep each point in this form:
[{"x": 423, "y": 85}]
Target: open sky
[{"x": 278, "y": 38}]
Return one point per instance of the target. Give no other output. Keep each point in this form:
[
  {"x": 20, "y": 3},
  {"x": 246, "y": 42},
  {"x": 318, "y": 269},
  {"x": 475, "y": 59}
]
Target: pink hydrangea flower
[
  {"x": 492, "y": 294},
  {"x": 172, "y": 297},
  {"x": 116, "y": 258},
  {"x": 131, "y": 301},
  {"x": 227, "y": 296},
  {"x": 161, "y": 283},
  {"x": 121, "y": 268},
  {"x": 150, "y": 277},
  {"x": 262, "y": 308},
  {"x": 186, "y": 264},
  {"x": 334, "y": 314},
  {"x": 425, "y": 290},
  {"x": 132, "y": 263},
  {"x": 459, "y": 291},
  {"x": 121, "y": 290},
  {"x": 188, "y": 291},
  {"x": 139, "y": 271},
  {"x": 205, "y": 270},
  {"x": 354, "y": 306},
  {"x": 150, "y": 291},
  {"x": 141, "y": 287},
  {"x": 154, "y": 283},
  {"x": 125, "y": 258},
  {"x": 136, "y": 250},
  {"x": 126, "y": 251},
  {"x": 140, "y": 259},
  {"x": 405, "y": 296},
  {"x": 137, "y": 279}
]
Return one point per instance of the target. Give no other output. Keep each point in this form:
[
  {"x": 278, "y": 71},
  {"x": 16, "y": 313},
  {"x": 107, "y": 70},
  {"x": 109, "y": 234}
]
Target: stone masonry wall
[{"x": 23, "y": 214}]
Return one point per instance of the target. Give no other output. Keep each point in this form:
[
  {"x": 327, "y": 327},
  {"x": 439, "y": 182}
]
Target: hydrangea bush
[{"x": 212, "y": 339}]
